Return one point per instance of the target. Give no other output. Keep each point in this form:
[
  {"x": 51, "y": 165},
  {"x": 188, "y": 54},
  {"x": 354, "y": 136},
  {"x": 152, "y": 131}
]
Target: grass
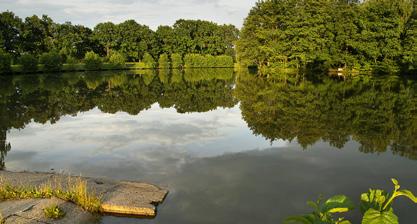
[
  {"x": 75, "y": 191},
  {"x": 54, "y": 212}
]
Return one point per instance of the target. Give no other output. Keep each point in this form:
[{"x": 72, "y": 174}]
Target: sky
[{"x": 149, "y": 12}]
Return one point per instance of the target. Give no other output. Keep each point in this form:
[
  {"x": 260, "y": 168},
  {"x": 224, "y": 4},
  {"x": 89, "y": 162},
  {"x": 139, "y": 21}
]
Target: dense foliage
[
  {"x": 117, "y": 60},
  {"x": 372, "y": 35},
  {"x": 197, "y": 36},
  {"x": 28, "y": 62},
  {"x": 207, "y": 61},
  {"x": 37, "y": 35},
  {"x": 5, "y": 62},
  {"x": 51, "y": 61}
]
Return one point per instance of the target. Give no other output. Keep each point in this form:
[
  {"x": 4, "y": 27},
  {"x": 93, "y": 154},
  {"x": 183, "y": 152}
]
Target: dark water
[{"x": 231, "y": 148}]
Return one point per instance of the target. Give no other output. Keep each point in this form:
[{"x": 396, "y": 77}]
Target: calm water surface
[{"x": 231, "y": 148}]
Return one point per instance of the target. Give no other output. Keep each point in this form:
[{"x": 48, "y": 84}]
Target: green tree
[
  {"x": 37, "y": 35},
  {"x": 106, "y": 35},
  {"x": 166, "y": 38},
  {"x": 10, "y": 32},
  {"x": 409, "y": 56},
  {"x": 135, "y": 40},
  {"x": 73, "y": 40}
]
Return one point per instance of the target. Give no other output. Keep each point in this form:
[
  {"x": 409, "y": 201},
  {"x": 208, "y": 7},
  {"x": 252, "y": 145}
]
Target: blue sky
[{"x": 149, "y": 12}]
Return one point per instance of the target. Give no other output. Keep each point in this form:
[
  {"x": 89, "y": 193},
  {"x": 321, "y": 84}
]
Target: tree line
[
  {"x": 372, "y": 35},
  {"x": 36, "y": 36}
]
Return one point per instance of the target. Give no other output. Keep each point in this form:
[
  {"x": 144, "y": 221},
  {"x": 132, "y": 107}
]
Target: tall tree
[
  {"x": 37, "y": 34},
  {"x": 106, "y": 35},
  {"x": 10, "y": 31}
]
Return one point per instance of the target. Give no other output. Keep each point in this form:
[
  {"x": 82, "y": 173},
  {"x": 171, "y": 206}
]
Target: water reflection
[
  {"x": 188, "y": 131},
  {"x": 47, "y": 98},
  {"x": 379, "y": 113}
]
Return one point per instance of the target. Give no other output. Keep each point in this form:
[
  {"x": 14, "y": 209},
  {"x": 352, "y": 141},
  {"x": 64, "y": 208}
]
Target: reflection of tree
[
  {"x": 4, "y": 148},
  {"x": 46, "y": 98},
  {"x": 379, "y": 113}
]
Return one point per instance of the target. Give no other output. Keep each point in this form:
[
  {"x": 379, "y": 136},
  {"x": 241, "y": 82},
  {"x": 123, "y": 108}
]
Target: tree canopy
[
  {"x": 36, "y": 35},
  {"x": 373, "y": 35}
]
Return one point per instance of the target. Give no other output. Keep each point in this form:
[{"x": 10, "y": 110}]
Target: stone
[
  {"x": 32, "y": 211},
  {"x": 133, "y": 199},
  {"x": 118, "y": 197}
]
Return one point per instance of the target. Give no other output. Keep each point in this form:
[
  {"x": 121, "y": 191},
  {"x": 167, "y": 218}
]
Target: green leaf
[
  {"x": 299, "y": 219},
  {"x": 396, "y": 183},
  {"x": 344, "y": 222},
  {"x": 373, "y": 216},
  {"x": 337, "y": 204},
  {"x": 407, "y": 194}
]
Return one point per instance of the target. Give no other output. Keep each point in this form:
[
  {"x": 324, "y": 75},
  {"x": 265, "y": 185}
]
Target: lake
[{"x": 230, "y": 147}]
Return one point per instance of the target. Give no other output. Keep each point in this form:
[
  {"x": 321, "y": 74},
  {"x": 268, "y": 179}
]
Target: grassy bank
[
  {"x": 75, "y": 191},
  {"x": 18, "y": 69}
]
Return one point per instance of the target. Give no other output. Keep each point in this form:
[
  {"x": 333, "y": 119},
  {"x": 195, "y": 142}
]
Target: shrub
[
  {"x": 5, "y": 62},
  {"x": 194, "y": 61},
  {"x": 54, "y": 212},
  {"x": 149, "y": 61},
  {"x": 176, "y": 61},
  {"x": 92, "y": 61},
  {"x": 163, "y": 61},
  {"x": 117, "y": 60},
  {"x": 29, "y": 63},
  {"x": 51, "y": 61},
  {"x": 71, "y": 60},
  {"x": 208, "y": 61}
]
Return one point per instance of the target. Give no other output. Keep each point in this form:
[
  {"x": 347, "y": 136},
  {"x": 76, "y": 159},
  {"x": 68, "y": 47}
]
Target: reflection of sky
[{"x": 158, "y": 140}]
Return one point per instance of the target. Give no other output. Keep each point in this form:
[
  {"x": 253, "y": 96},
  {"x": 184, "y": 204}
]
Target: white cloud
[{"x": 148, "y": 12}]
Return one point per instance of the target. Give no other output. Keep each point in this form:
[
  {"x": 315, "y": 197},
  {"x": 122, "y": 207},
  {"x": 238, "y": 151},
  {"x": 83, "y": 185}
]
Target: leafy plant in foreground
[
  {"x": 376, "y": 206},
  {"x": 323, "y": 212}
]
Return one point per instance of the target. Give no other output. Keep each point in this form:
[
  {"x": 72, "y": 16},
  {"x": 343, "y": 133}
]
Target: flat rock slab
[
  {"x": 30, "y": 211},
  {"x": 118, "y": 197}
]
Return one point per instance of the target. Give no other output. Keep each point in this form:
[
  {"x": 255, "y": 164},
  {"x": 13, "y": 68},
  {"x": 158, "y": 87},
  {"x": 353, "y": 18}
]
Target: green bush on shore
[
  {"x": 194, "y": 61},
  {"x": 5, "y": 62},
  {"x": 92, "y": 61},
  {"x": 149, "y": 61},
  {"x": 176, "y": 61},
  {"x": 51, "y": 61},
  {"x": 29, "y": 63},
  {"x": 117, "y": 60},
  {"x": 207, "y": 61},
  {"x": 163, "y": 61},
  {"x": 224, "y": 61}
]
